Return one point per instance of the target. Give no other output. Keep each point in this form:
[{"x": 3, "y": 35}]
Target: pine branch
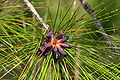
[
  {"x": 98, "y": 23},
  {"x": 36, "y": 14}
]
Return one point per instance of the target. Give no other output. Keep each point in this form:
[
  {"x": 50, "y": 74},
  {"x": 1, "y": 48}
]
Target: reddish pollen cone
[
  {"x": 55, "y": 54},
  {"x": 60, "y": 34},
  {"x": 46, "y": 49},
  {"x": 55, "y": 44},
  {"x": 43, "y": 43},
  {"x": 49, "y": 34},
  {"x": 64, "y": 39},
  {"x": 61, "y": 51},
  {"x": 64, "y": 45}
]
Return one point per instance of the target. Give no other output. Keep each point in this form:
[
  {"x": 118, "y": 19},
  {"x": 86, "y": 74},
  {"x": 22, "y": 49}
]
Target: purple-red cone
[
  {"x": 55, "y": 44},
  {"x": 55, "y": 54}
]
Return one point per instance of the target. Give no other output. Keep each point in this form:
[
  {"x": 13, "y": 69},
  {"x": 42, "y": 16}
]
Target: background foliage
[{"x": 90, "y": 58}]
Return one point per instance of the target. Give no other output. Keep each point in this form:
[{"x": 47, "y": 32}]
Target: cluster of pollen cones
[{"x": 55, "y": 44}]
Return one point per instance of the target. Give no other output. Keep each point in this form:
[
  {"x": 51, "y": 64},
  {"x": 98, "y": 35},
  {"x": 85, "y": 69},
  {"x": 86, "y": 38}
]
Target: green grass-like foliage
[{"x": 89, "y": 59}]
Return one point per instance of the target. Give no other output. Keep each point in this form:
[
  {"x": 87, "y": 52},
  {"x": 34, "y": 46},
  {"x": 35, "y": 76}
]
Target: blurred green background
[{"x": 90, "y": 59}]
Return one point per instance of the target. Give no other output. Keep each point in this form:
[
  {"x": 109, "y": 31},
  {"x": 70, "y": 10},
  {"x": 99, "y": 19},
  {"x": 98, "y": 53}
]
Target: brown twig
[
  {"x": 98, "y": 23},
  {"x": 36, "y": 14}
]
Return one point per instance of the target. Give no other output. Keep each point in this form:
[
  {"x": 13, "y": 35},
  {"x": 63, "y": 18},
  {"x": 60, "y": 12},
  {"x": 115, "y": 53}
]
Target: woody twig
[
  {"x": 98, "y": 23},
  {"x": 36, "y": 14}
]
